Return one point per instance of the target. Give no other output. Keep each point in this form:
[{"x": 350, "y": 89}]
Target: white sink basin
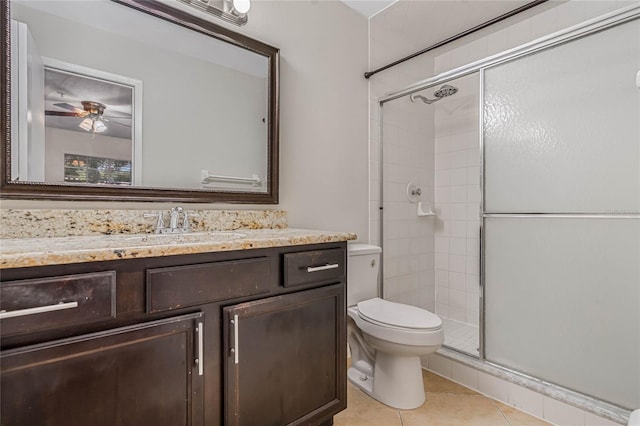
[{"x": 194, "y": 237}]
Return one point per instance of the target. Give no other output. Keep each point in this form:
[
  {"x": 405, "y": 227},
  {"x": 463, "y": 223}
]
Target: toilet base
[
  {"x": 362, "y": 381},
  {"x": 396, "y": 381}
]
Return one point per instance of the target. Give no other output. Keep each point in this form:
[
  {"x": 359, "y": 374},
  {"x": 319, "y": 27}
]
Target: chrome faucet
[
  {"x": 175, "y": 227},
  {"x": 174, "y": 218},
  {"x": 160, "y": 223}
]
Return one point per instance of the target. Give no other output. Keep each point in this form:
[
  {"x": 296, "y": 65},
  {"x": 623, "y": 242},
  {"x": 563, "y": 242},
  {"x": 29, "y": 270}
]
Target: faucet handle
[
  {"x": 186, "y": 226},
  {"x": 159, "y": 223}
]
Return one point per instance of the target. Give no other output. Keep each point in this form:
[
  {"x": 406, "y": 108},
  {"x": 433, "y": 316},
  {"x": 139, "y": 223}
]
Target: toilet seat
[
  {"x": 394, "y": 334},
  {"x": 399, "y": 316}
]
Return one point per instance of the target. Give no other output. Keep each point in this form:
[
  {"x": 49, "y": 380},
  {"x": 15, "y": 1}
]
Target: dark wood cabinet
[
  {"x": 150, "y": 340},
  {"x": 62, "y": 301},
  {"x": 285, "y": 358},
  {"x": 145, "y": 374}
]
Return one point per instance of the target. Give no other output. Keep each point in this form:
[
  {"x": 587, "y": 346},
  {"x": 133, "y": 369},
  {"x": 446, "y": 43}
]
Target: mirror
[{"x": 134, "y": 100}]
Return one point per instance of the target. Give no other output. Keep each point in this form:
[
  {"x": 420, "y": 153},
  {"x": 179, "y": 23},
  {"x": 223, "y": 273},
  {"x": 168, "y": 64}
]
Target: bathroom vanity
[{"x": 247, "y": 332}]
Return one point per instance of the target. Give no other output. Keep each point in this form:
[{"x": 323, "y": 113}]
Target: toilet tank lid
[{"x": 357, "y": 249}]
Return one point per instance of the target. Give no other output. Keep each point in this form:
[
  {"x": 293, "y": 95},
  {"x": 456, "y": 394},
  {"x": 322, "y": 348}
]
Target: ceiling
[
  {"x": 418, "y": 24},
  {"x": 68, "y": 88},
  {"x": 368, "y": 8}
]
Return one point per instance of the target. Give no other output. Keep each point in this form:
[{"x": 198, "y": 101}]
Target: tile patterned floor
[
  {"x": 461, "y": 336},
  {"x": 448, "y": 404}
]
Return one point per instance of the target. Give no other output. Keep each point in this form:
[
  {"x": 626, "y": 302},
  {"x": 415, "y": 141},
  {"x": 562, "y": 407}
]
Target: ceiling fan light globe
[
  {"x": 99, "y": 126},
  {"x": 87, "y": 124}
]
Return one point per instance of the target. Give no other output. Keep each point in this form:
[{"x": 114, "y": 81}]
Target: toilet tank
[{"x": 362, "y": 272}]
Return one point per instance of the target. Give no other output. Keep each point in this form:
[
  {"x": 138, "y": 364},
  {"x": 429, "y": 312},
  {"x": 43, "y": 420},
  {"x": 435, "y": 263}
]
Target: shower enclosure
[
  {"x": 510, "y": 206},
  {"x": 432, "y": 239}
]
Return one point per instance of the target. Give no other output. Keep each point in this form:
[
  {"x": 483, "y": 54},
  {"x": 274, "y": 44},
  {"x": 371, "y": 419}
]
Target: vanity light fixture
[{"x": 234, "y": 11}]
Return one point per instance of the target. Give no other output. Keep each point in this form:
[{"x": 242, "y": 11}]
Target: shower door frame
[{"x": 602, "y": 23}]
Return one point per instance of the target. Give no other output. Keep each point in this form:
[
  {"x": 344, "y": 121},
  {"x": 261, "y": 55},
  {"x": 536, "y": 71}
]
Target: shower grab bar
[
  {"x": 254, "y": 180},
  {"x": 38, "y": 310}
]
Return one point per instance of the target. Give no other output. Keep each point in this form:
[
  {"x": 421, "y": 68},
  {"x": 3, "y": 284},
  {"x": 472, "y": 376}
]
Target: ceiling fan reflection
[{"x": 92, "y": 112}]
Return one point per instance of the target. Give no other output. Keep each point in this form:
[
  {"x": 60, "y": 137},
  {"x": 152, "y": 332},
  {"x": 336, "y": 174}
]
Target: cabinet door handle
[
  {"x": 200, "y": 359},
  {"x": 38, "y": 310},
  {"x": 323, "y": 267},
  {"x": 235, "y": 350}
]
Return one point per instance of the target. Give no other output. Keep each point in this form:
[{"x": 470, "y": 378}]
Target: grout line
[
  {"x": 495, "y": 403},
  {"x": 400, "y": 417},
  {"x": 492, "y": 398}
]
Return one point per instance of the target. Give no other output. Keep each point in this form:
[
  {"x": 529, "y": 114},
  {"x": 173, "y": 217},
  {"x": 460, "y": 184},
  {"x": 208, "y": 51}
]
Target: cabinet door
[
  {"x": 146, "y": 374},
  {"x": 286, "y": 359}
]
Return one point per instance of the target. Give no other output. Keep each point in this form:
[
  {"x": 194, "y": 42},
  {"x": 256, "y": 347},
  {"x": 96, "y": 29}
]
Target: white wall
[
  {"x": 323, "y": 115},
  {"x": 408, "y": 156},
  {"x": 61, "y": 142},
  {"x": 323, "y": 111}
]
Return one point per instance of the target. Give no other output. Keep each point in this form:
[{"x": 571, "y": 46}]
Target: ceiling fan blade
[
  {"x": 117, "y": 116},
  {"x": 120, "y": 124},
  {"x": 63, "y": 114},
  {"x": 68, "y": 107}
]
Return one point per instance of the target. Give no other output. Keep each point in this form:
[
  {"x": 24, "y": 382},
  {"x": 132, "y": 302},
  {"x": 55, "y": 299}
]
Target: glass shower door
[{"x": 561, "y": 218}]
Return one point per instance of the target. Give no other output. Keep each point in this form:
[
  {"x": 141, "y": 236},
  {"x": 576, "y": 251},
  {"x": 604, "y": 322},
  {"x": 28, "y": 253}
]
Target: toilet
[{"x": 386, "y": 339}]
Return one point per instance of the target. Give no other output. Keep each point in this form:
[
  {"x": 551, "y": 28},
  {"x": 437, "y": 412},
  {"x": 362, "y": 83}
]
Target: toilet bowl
[{"x": 386, "y": 338}]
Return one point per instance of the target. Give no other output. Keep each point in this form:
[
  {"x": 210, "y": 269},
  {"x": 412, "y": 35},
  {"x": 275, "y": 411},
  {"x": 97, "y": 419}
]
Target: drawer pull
[
  {"x": 234, "y": 350},
  {"x": 323, "y": 267},
  {"x": 200, "y": 360},
  {"x": 38, "y": 310}
]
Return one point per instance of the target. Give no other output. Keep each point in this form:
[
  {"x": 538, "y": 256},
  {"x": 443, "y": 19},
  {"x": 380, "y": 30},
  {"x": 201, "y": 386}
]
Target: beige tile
[
  {"x": 446, "y": 409},
  {"x": 435, "y": 383},
  {"x": 365, "y": 411},
  {"x": 448, "y": 404},
  {"x": 519, "y": 418}
]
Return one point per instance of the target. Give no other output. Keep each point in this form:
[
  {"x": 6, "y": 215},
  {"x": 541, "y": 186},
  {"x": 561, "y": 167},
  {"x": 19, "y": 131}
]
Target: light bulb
[{"x": 242, "y": 6}]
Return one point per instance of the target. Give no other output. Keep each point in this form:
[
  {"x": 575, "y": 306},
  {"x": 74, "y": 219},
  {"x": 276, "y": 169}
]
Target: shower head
[
  {"x": 445, "y": 91},
  {"x": 442, "y": 92}
]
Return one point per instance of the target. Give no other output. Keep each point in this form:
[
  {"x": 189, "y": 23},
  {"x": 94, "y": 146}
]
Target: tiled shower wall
[
  {"x": 457, "y": 201},
  {"x": 408, "y": 157}
]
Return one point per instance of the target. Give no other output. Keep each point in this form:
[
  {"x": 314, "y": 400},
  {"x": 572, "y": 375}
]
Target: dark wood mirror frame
[{"x": 43, "y": 190}]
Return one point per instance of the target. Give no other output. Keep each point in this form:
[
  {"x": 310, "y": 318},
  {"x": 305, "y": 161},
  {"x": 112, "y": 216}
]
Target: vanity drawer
[
  {"x": 46, "y": 303},
  {"x": 313, "y": 266},
  {"x": 181, "y": 286}
]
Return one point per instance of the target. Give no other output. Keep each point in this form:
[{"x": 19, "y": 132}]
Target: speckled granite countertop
[{"x": 25, "y": 252}]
